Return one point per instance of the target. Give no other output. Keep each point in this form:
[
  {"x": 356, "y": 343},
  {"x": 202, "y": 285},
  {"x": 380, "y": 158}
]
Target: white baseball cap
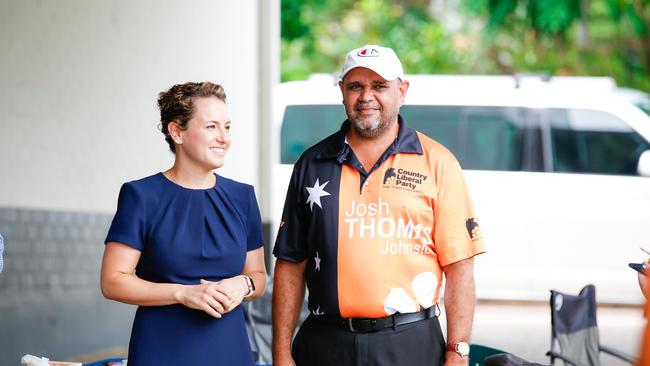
[{"x": 381, "y": 60}]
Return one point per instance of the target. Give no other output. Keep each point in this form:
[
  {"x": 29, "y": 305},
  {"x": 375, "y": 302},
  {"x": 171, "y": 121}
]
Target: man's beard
[{"x": 374, "y": 128}]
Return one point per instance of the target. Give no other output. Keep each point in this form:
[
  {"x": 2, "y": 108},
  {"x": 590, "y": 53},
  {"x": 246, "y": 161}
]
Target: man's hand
[
  {"x": 285, "y": 360},
  {"x": 454, "y": 359}
]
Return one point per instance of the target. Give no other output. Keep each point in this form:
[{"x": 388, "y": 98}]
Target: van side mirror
[{"x": 643, "y": 167}]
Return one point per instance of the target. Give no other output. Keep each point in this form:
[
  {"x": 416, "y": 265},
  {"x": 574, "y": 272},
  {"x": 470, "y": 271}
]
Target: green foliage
[
  {"x": 553, "y": 16},
  {"x": 567, "y": 37},
  {"x": 636, "y": 21},
  {"x": 499, "y": 11},
  {"x": 342, "y": 25}
]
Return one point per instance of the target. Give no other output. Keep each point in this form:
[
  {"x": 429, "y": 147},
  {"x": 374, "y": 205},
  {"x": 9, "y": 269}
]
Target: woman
[{"x": 193, "y": 239}]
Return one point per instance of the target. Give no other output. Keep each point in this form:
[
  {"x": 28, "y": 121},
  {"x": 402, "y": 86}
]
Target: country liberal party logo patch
[
  {"x": 473, "y": 229},
  {"x": 399, "y": 178}
]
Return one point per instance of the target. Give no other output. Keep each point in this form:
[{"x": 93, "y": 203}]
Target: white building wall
[
  {"x": 79, "y": 85},
  {"x": 78, "y": 117}
]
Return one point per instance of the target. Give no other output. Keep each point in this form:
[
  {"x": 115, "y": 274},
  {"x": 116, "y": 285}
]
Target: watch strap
[
  {"x": 461, "y": 348},
  {"x": 250, "y": 284}
]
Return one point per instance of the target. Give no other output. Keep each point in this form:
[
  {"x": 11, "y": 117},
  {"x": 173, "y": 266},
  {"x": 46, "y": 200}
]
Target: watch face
[{"x": 462, "y": 348}]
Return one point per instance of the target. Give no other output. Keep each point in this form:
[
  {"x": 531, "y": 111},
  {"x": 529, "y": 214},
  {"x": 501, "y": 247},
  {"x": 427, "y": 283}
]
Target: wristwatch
[
  {"x": 251, "y": 285},
  {"x": 462, "y": 348}
]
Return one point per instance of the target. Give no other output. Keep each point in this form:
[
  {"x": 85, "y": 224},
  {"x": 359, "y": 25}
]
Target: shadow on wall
[{"x": 50, "y": 301}]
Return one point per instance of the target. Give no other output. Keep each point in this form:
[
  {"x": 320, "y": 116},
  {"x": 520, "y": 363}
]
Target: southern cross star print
[{"x": 315, "y": 193}]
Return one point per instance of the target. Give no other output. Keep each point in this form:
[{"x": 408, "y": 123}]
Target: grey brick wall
[{"x": 50, "y": 302}]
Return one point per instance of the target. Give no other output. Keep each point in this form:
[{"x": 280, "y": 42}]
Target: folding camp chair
[
  {"x": 575, "y": 330},
  {"x": 258, "y": 323},
  {"x": 507, "y": 359}
]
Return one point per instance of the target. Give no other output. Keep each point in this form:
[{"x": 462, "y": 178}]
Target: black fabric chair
[{"x": 575, "y": 330}]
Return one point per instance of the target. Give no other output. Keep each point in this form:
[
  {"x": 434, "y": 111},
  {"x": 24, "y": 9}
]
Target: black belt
[{"x": 365, "y": 325}]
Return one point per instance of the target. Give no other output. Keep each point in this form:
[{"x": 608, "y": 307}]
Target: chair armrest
[
  {"x": 553, "y": 355},
  {"x": 617, "y": 353}
]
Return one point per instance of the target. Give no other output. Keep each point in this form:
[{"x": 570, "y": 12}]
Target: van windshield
[{"x": 483, "y": 138}]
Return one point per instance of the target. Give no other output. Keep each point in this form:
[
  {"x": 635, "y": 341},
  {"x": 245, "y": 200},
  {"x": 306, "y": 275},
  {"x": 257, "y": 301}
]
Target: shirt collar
[{"x": 407, "y": 141}]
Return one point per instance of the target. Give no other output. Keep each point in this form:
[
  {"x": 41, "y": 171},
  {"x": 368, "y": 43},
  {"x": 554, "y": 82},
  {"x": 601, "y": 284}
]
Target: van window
[
  {"x": 586, "y": 141},
  {"x": 483, "y": 138},
  {"x": 488, "y": 138},
  {"x": 305, "y": 125},
  {"x": 438, "y": 122}
]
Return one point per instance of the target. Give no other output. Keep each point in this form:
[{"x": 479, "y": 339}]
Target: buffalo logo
[
  {"x": 472, "y": 228},
  {"x": 389, "y": 176}
]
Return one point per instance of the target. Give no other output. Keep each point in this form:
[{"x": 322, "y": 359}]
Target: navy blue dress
[{"x": 186, "y": 235}]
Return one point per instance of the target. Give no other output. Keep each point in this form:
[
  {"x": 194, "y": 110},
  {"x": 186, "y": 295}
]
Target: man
[{"x": 374, "y": 215}]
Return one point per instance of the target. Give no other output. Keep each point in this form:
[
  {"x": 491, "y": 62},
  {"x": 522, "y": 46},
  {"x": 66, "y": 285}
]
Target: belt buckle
[{"x": 351, "y": 327}]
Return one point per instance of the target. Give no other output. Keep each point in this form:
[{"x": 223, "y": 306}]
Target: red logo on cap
[{"x": 368, "y": 52}]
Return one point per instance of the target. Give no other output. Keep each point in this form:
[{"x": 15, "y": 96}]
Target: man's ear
[{"x": 403, "y": 88}]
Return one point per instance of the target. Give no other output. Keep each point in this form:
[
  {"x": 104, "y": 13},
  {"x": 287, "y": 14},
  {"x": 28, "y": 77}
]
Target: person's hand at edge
[{"x": 643, "y": 278}]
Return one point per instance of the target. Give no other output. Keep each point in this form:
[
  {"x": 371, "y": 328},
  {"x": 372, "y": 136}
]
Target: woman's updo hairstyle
[{"x": 177, "y": 104}]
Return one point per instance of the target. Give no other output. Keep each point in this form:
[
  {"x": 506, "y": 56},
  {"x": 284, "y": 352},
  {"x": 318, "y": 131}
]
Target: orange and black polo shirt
[{"x": 375, "y": 241}]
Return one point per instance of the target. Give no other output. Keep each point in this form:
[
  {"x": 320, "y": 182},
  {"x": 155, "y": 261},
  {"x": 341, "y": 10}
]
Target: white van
[{"x": 558, "y": 170}]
